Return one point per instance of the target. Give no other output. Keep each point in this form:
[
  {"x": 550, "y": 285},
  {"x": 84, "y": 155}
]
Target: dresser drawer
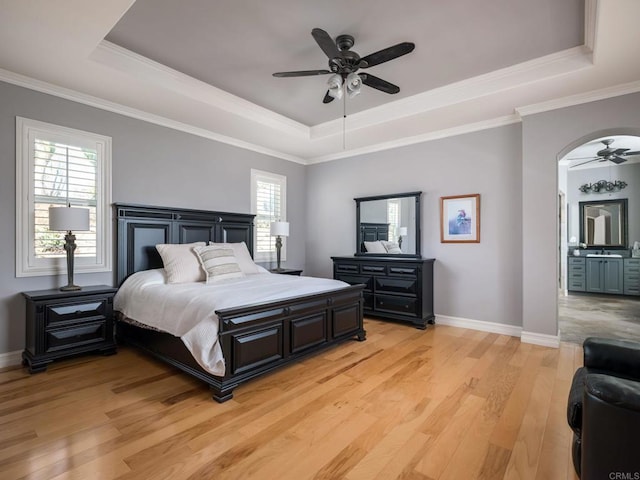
[
  {"x": 407, "y": 286},
  {"x": 379, "y": 269},
  {"x": 413, "y": 271},
  {"x": 60, "y": 314},
  {"x": 347, "y": 268},
  {"x": 403, "y": 305},
  {"x": 64, "y": 338},
  {"x": 357, "y": 279}
]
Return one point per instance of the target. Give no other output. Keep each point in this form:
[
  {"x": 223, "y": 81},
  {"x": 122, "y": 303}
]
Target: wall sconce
[
  {"x": 278, "y": 230},
  {"x": 402, "y": 232},
  {"x": 602, "y": 186},
  {"x": 67, "y": 219}
]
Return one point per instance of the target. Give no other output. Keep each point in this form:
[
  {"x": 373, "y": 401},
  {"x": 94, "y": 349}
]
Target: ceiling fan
[
  {"x": 608, "y": 153},
  {"x": 344, "y": 63}
]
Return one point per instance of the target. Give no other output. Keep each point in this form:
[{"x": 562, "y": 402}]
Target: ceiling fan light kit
[{"x": 344, "y": 63}]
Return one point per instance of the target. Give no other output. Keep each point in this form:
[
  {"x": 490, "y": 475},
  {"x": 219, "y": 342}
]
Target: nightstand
[
  {"x": 61, "y": 324},
  {"x": 286, "y": 271}
]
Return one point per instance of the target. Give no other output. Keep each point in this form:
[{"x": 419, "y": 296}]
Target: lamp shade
[
  {"x": 280, "y": 228},
  {"x": 402, "y": 231},
  {"x": 68, "y": 218}
]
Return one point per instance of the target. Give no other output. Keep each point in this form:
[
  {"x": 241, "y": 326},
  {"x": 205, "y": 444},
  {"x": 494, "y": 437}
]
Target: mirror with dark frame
[
  {"x": 603, "y": 224},
  {"x": 388, "y": 225}
]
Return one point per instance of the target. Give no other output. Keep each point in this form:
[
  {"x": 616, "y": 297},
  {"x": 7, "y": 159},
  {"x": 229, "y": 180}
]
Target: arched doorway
[{"x": 582, "y": 309}]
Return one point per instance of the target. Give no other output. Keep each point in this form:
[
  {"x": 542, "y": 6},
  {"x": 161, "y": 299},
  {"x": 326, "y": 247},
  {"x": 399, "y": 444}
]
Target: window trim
[
  {"x": 282, "y": 180},
  {"x": 25, "y": 265}
]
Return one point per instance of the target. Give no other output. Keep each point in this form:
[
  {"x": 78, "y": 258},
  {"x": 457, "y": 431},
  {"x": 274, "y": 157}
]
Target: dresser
[
  {"x": 62, "y": 324},
  {"x": 395, "y": 288}
]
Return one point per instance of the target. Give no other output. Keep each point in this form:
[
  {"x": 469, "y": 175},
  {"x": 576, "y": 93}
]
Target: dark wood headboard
[{"x": 141, "y": 227}]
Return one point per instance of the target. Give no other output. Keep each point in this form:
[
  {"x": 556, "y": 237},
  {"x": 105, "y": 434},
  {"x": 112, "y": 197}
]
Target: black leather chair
[{"x": 604, "y": 410}]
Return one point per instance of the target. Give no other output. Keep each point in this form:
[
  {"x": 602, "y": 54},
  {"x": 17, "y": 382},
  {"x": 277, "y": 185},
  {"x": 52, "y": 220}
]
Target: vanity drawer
[
  {"x": 577, "y": 283},
  {"x": 407, "y": 286},
  {"x": 576, "y": 261},
  {"x": 390, "y": 303}
]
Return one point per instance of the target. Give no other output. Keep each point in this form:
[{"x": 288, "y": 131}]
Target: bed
[{"x": 254, "y": 338}]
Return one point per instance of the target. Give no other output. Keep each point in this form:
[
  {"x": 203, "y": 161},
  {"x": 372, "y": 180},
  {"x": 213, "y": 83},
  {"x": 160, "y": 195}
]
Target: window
[
  {"x": 393, "y": 218},
  {"x": 58, "y": 166},
  {"x": 268, "y": 200}
]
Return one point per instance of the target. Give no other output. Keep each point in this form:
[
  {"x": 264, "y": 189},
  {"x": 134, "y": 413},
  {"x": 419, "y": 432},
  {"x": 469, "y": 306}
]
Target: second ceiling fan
[
  {"x": 615, "y": 155},
  {"x": 344, "y": 63}
]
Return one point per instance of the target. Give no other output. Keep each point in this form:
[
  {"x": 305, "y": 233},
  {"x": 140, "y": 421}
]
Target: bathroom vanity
[{"x": 604, "y": 273}]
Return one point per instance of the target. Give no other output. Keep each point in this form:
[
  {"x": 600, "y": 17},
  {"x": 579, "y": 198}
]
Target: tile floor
[{"x": 583, "y": 315}]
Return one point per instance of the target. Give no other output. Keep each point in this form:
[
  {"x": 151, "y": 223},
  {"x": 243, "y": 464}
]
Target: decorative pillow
[
  {"x": 391, "y": 247},
  {"x": 181, "y": 264},
  {"x": 219, "y": 263},
  {"x": 375, "y": 247},
  {"x": 243, "y": 257}
]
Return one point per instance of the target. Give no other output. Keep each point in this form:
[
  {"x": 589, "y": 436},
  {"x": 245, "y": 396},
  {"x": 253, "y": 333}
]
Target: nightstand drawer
[
  {"x": 65, "y": 313},
  {"x": 64, "y": 338}
]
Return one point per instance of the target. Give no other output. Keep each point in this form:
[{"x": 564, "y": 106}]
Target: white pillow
[
  {"x": 391, "y": 247},
  {"x": 180, "y": 262},
  {"x": 219, "y": 264},
  {"x": 375, "y": 247},
  {"x": 242, "y": 255}
]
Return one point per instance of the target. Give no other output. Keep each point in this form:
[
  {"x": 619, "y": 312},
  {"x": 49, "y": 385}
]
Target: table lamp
[
  {"x": 68, "y": 219},
  {"x": 279, "y": 230},
  {"x": 402, "y": 232}
]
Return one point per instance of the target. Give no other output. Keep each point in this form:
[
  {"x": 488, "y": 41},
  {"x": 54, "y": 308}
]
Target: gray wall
[
  {"x": 545, "y": 138},
  {"x": 151, "y": 165},
  {"x": 475, "y": 281}
]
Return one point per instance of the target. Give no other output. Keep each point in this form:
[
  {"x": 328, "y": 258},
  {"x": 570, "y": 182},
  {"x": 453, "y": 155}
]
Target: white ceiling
[{"x": 205, "y": 67}]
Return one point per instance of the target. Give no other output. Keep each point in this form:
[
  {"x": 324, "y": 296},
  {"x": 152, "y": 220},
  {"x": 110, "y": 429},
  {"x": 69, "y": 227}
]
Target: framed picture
[{"x": 460, "y": 219}]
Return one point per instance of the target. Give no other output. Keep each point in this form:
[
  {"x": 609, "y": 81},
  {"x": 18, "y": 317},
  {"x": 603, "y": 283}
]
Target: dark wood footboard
[{"x": 257, "y": 339}]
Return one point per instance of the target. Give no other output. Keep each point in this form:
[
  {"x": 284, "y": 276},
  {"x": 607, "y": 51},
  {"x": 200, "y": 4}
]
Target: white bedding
[{"x": 187, "y": 310}]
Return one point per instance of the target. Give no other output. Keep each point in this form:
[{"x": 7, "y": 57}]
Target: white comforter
[{"x": 187, "y": 310}]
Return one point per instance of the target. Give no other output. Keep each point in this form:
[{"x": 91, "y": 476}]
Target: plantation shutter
[
  {"x": 63, "y": 175},
  {"x": 269, "y": 192}
]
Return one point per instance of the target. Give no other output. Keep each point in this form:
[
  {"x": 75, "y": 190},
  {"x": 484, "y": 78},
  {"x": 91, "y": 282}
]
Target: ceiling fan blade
[
  {"x": 617, "y": 160},
  {"x": 388, "y": 54},
  {"x": 588, "y": 161},
  {"x": 327, "y": 98},
  {"x": 619, "y": 151},
  {"x": 379, "y": 84},
  {"x": 635, "y": 152},
  {"x": 325, "y": 42},
  {"x": 301, "y": 73},
  {"x": 583, "y": 158}
]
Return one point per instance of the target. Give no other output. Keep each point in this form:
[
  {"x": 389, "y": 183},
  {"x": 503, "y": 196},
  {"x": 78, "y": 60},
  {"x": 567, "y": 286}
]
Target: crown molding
[
  {"x": 68, "y": 94},
  {"x": 590, "y": 25},
  {"x": 137, "y": 66},
  {"x": 580, "y": 98},
  {"x": 549, "y": 66},
  {"x": 426, "y": 137}
]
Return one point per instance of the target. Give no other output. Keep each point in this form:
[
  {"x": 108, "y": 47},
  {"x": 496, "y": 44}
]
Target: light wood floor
[{"x": 445, "y": 403}]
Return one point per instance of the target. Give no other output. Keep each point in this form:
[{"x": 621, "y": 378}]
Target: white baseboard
[
  {"x": 541, "y": 339},
  {"x": 483, "y": 326},
  {"x": 10, "y": 359},
  {"x": 492, "y": 327}
]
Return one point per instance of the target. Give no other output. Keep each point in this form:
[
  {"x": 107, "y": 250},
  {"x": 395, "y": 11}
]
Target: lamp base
[{"x": 70, "y": 288}]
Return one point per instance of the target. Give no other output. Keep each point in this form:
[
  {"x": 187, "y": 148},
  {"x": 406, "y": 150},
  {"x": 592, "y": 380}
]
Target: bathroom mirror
[
  {"x": 603, "y": 224},
  {"x": 388, "y": 225}
]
